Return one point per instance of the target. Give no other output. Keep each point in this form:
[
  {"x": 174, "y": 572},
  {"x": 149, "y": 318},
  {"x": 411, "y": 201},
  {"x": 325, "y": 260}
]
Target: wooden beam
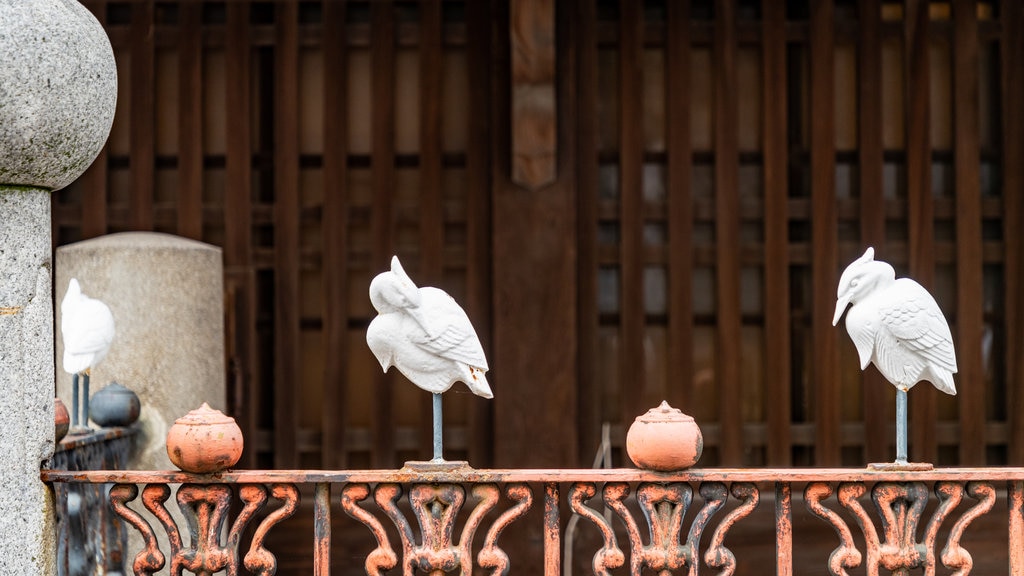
[
  {"x": 969, "y": 270},
  {"x": 590, "y": 405},
  {"x": 727, "y": 234},
  {"x": 382, "y": 51},
  {"x": 921, "y": 212},
  {"x": 534, "y": 106},
  {"x": 334, "y": 227},
  {"x": 478, "y": 211},
  {"x": 778, "y": 370},
  {"x": 286, "y": 235},
  {"x": 1012, "y": 59},
  {"x": 238, "y": 271},
  {"x": 680, "y": 206},
  {"x": 877, "y": 406},
  {"x": 143, "y": 128},
  {"x": 632, "y": 381},
  {"x": 534, "y": 240},
  {"x": 824, "y": 239},
  {"x": 431, "y": 217},
  {"x": 190, "y": 121}
]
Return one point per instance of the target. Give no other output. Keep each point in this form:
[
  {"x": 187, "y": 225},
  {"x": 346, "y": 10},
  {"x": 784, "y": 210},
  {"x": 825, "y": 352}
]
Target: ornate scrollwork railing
[{"x": 427, "y": 521}]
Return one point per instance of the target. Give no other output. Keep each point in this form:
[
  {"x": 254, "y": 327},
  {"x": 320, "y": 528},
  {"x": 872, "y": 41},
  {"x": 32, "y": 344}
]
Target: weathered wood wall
[{"x": 716, "y": 164}]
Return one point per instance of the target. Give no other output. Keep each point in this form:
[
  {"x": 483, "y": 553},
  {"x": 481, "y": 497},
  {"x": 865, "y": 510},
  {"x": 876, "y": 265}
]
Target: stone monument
[
  {"x": 167, "y": 297},
  {"x": 58, "y": 91}
]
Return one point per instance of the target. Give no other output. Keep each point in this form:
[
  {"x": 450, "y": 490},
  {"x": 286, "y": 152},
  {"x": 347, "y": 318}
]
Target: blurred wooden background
[{"x": 706, "y": 169}]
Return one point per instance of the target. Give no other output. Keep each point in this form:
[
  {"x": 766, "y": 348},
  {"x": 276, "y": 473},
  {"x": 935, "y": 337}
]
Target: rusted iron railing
[
  {"x": 647, "y": 531},
  {"x": 88, "y": 542}
]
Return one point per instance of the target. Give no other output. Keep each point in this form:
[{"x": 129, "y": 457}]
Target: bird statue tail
[
  {"x": 477, "y": 383},
  {"x": 943, "y": 380}
]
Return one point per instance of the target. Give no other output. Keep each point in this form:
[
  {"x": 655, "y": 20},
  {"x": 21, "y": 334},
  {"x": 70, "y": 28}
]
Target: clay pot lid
[
  {"x": 205, "y": 416},
  {"x": 115, "y": 388},
  {"x": 664, "y": 413}
]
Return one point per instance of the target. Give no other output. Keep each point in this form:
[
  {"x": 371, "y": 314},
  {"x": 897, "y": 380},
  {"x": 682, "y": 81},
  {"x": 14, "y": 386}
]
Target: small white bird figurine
[
  {"x": 897, "y": 325},
  {"x": 427, "y": 336},
  {"x": 87, "y": 327}
]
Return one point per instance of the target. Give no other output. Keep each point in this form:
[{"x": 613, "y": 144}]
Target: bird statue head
[
  {"x": 74, "y": 291},
  {"x": 394, "y": 291},
  {"x": 861, "y": 277}
]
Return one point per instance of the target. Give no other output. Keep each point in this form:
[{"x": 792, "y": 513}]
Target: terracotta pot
[
  {"x": 664, "y": 439},
  {"x": 61, "y": 419},
  {"x": 204, "y": 441},
  {"x": 114, "y": 405}
]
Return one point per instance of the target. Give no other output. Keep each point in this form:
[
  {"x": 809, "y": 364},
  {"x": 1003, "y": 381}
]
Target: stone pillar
[
  {"x": 167, "y": 297},
  {"x": 58, "y": 91}
]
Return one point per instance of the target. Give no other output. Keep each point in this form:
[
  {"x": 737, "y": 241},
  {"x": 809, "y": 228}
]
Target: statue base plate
[
  {"x": 900, "y": 466},
  {"x": 436, "y": 465}
]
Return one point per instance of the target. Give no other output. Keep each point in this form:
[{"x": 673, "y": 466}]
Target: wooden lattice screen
[
  {"x": 718, "y": 164},
  {"x": 740, "y": 154}
]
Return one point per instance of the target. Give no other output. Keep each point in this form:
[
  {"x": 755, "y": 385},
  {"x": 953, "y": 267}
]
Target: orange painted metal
[
  {"x": 1015, "y": 503},
  {"x": 897, "y": 537},
  {"x": 783, "y": 529},
  {"x": 561, "y": 475}
]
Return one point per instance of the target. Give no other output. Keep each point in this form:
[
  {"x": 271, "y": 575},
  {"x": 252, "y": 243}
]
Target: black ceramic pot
[{"x": 114, "y": 405}]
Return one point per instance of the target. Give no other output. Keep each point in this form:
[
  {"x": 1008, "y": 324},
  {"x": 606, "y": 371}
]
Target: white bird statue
[
  {"x": 897, "y": 325},
  {"x": 426, "y": 335},
  {"x": 87, "y": 327}
]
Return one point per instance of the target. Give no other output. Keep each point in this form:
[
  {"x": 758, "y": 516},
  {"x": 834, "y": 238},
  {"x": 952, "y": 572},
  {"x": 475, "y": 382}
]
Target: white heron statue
[
  {"x": 897, "y": 325},
  {"x": 426, "y": 335},
  {"x": 87, "y": 327}
]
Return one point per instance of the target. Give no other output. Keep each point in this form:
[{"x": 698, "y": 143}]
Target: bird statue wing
[
  {"x": 864, "y": 333},
  {"x": 914, "y": 320},
  {"x": 448, "y": 332}
]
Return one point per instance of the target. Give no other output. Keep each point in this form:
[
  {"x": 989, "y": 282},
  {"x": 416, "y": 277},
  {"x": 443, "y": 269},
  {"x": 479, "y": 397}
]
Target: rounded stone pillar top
[
  {"x": 58, "y": 91},
  {"x": 141, "y": 241}
]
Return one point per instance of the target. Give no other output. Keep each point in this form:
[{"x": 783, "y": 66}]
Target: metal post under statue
[
  {"x": 438, "y": 443},
  {"x": 901, "y": 426},
  {"x": 74, "y": 401},
  {"x": 85, "y": 400}
]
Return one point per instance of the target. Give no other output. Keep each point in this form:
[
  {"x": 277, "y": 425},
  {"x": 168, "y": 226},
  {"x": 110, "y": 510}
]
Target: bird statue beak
[{"x": 841, "y": 305}]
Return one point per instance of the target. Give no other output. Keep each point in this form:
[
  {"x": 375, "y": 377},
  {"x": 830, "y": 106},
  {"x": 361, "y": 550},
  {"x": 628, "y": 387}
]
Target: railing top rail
[{"x": 466, "y": 474}]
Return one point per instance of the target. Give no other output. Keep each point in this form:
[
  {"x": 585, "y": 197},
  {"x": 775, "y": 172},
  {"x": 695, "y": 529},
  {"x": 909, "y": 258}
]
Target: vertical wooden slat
[
  {"x": 383, "y": 166},
  {"x": 776, "y": 242},
  {"x": 680, "y": 206},
  {"x": 969, "y": 321},
  {"x": 920, "y": 210},
  {"x": 535, "y": 322},
  {"x": 823, "y": 236},
  {"x": 632, "y": 376},
  {"x": 95, "y": 179},
  {"x": 727, "y": 234},
  {"x": 431, "y": 217},
  {"x": 238, "y": 221},
  {"x": 877, "y": 403},
  {"x": 586, "y": 177},
  {"x": 1012, "y": 59},
  {"x": 190, "y": 121},
  {"x": 335, "y": 234},
  {"x": 286, "y": 235},
  {"x": 478, "y": 210},
  {"x": 143, "y": 129}
]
